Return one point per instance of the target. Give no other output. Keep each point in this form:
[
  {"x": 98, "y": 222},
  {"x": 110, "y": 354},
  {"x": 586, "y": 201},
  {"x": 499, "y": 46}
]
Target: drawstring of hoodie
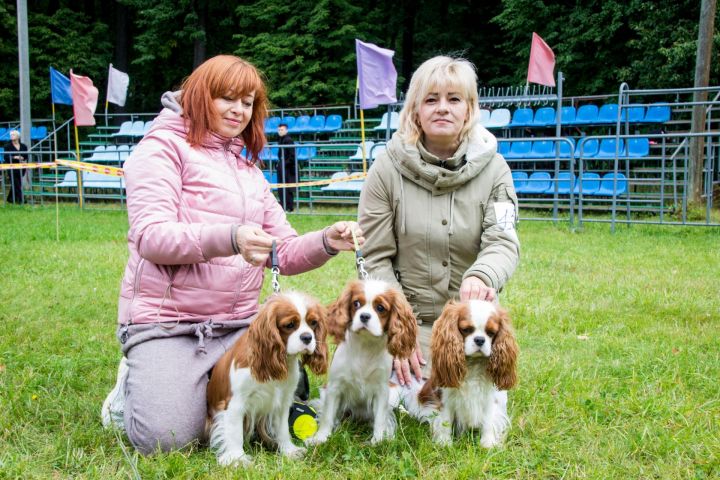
[
  {"x": 203, "y": 330},
  {"x": 402, "y": 205},
  {"x": 452, "y": 213}
]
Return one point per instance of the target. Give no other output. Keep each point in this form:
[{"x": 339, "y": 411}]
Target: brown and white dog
[
  {"x": 252, "y": 386},
  {"x": 474, "y": 356},
  {"x": 371, "y": 322}
]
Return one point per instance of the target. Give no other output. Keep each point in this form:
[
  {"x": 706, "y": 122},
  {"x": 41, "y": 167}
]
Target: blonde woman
[
  {"x": 15, "y": 152},
  {"x": 438, "y": 208}
]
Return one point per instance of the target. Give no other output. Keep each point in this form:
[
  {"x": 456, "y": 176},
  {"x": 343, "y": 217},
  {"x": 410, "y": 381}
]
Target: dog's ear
[
  {"x": 339, "y": 312},
  {"x": 447, "y": 349},
  {"x": 318, "y": 361},
  {"x": 402, "y": 328},
  {"x": 502, "y": 366},
  {"x": 268, "y": 358}
]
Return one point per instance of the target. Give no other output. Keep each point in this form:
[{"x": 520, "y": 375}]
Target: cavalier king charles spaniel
[
  {"x": 371, "y": 322},
  {"x": 253, "y": 384},
  {"x": 474, "y": 355}
]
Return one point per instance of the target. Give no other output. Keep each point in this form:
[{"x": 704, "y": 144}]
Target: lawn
[{"x": 619, "y": 367}]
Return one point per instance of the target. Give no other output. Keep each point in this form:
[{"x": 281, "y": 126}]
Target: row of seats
[
  {"x": 138, "y": 128},
  {"x": 110, "y": 153},
  {"x": 305, "y": 124},
  {"x": 271, "y": 152},
  {"x": 591, "y": 148},
  {"x": 91, "y": 180},
  {"x": 570, "y": 116},
  {"x": 541, "y": 183},
  {"x": 36, "y": 133}
]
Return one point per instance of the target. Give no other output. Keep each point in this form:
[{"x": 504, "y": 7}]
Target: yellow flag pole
[
  {"x": 362, "y": 130},
  {"x": 79, "y": 174}
]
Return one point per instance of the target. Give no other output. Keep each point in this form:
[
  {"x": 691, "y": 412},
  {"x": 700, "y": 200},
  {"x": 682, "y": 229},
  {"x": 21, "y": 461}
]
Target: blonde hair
[{"x": 435, "y": 73}]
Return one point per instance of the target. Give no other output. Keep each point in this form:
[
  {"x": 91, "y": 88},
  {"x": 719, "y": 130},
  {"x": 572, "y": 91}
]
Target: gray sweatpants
[{"x": 168, "y": 372}]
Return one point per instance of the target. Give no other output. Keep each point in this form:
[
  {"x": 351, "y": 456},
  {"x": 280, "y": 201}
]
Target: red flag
[
  {"x": 85, "y": 97},
  {"x": 542, "y": 63}
]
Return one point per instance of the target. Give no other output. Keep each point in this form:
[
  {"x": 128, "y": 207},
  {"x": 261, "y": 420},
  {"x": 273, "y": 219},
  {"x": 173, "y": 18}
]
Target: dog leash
[
  {"x": 359, "y": 260},
  {"x": 275, "y": 268}
]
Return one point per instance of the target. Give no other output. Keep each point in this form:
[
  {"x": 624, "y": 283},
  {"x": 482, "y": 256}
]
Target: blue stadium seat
[
  {"x": 271, "y": 124},
  {"x": 608, "y": 113},
  {"x": 633, "y": 114},
  {"x": 4, "y": 135},
  {"x": 542, "y": 149},
  {"x": 567, "y": 115},
  {"x": 522, "y": 117},
  {"x": 519, "y": 149},
  {"x": 565, "y": 150},
  {"x": 607, "y": 148},
  {"x": 565, "y": 182},
  {"x": 305, "y": 153},
  {"x": 288, "y": 120},
  {"x": 590, "y": 183},
  {"x": 538, "y": 182},
  {"x": 519, "y": 181},
  {"x": 606, "y": 185},
  {"x": 657, "y": 114},
  {"x": 638, "y": 147},
  {"x": 269, "y": 154},
  {"x": 333, "y": 123},
  {"x": 2, "y": 156},
  {"x": 586, "y": 114},
  {"x": 503, "y": 148},
  {"x": 38, "y": 133},
  {"x": 271, "y": 177},
  {"x": 587, "y": 149},
  {"x": 317, "y": 124},
  {"x": 302, "y": 125},
  {"x": 544, "y": 116}
]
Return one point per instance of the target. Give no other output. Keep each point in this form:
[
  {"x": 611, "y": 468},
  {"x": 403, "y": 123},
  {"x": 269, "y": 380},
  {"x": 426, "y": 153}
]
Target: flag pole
[
  {"x": 57, "y": 205},
  {"x": 106, "y": 109},
  {"x": 79, "y": 172},
  {"x": 362, "y": 126}
]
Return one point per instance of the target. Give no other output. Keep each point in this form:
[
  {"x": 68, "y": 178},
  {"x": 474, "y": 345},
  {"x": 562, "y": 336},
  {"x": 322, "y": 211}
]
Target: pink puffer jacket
[{"x": 182, "y": 203}]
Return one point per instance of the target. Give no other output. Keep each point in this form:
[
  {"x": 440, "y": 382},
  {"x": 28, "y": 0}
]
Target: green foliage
[{"x": 618, "y": 367}]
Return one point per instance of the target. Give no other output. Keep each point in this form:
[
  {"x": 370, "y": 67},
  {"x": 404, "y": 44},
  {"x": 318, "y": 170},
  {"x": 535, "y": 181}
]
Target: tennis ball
[{"x": 303, "y": 421}]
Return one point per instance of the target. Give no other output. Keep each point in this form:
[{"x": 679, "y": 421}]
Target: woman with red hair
[{"x": 202, "y": 222}]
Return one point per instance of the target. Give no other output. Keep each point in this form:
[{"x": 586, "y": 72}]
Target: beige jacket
[{"x": 429, "y": 227}]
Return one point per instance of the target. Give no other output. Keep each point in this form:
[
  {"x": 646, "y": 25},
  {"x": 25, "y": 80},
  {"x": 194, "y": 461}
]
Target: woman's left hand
[
  {"x": 339, "y": 236},
  {"x": 473, "y": 288}
]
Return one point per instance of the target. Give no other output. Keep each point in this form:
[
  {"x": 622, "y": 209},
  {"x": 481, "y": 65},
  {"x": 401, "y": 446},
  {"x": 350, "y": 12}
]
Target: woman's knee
[{"x": 163, "y": 434}]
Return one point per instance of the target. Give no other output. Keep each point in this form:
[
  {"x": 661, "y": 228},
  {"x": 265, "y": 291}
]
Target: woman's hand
[
  {"x": 403, "y": 366},
  {"x": 473, "y": 288},
  {"x": 338, "y": 236},
  {"x": 254, "y": 244}
]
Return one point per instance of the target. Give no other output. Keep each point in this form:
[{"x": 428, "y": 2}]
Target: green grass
[{"x": 618, "y": 373}]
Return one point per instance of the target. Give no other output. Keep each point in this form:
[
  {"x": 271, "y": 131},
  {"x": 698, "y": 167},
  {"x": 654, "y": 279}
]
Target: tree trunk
[{"x": 702, "y": 78}]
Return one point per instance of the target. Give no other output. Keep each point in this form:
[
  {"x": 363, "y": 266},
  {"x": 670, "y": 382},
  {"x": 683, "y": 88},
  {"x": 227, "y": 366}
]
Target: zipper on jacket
[{"x": 232, "y": 163}]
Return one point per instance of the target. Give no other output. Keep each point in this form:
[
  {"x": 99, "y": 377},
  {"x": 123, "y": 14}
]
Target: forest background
[{"x": 306, "y": 47}]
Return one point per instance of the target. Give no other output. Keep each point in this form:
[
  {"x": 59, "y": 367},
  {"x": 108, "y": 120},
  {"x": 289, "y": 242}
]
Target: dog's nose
[
  {"x": 479, "y": 341},
  {"x": 364, "y": 317},
  {"x": 306, "y": 338}
]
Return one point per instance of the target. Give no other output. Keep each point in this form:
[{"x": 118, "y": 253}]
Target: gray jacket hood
[{"x": 478, "y": 148}]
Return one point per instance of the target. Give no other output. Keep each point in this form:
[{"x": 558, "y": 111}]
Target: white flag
[{"x": 117, "y": 86}]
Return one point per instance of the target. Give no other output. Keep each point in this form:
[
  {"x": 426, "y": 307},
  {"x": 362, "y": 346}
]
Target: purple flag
[{"x": 377, "y": 76}]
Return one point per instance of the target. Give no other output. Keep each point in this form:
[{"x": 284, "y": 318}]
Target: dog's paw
[
  {"x": 294, "y": 453},
  {"x": 235, "y": 459},
  {"x": 489, "y": 441},
  {"x": 317, "y": 439}
]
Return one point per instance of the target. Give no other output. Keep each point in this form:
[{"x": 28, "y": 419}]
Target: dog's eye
[
  {"x": 491, "y": 334},
  {"x": 380, "y": 308},
  {"x": 313, "y": 323},
  {"x": 356, "y": 304},
  {"x": 290, "y": 326},
  {"x": 467, "y": 330}
]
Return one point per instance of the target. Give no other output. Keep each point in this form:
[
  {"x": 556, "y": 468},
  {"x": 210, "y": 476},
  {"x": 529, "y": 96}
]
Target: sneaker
[{"x": 113, "y": 409}]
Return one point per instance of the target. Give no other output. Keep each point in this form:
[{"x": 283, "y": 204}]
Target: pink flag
[
  {"x": 542, "y": 63},
  {"x": 85, "y": 97}
]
